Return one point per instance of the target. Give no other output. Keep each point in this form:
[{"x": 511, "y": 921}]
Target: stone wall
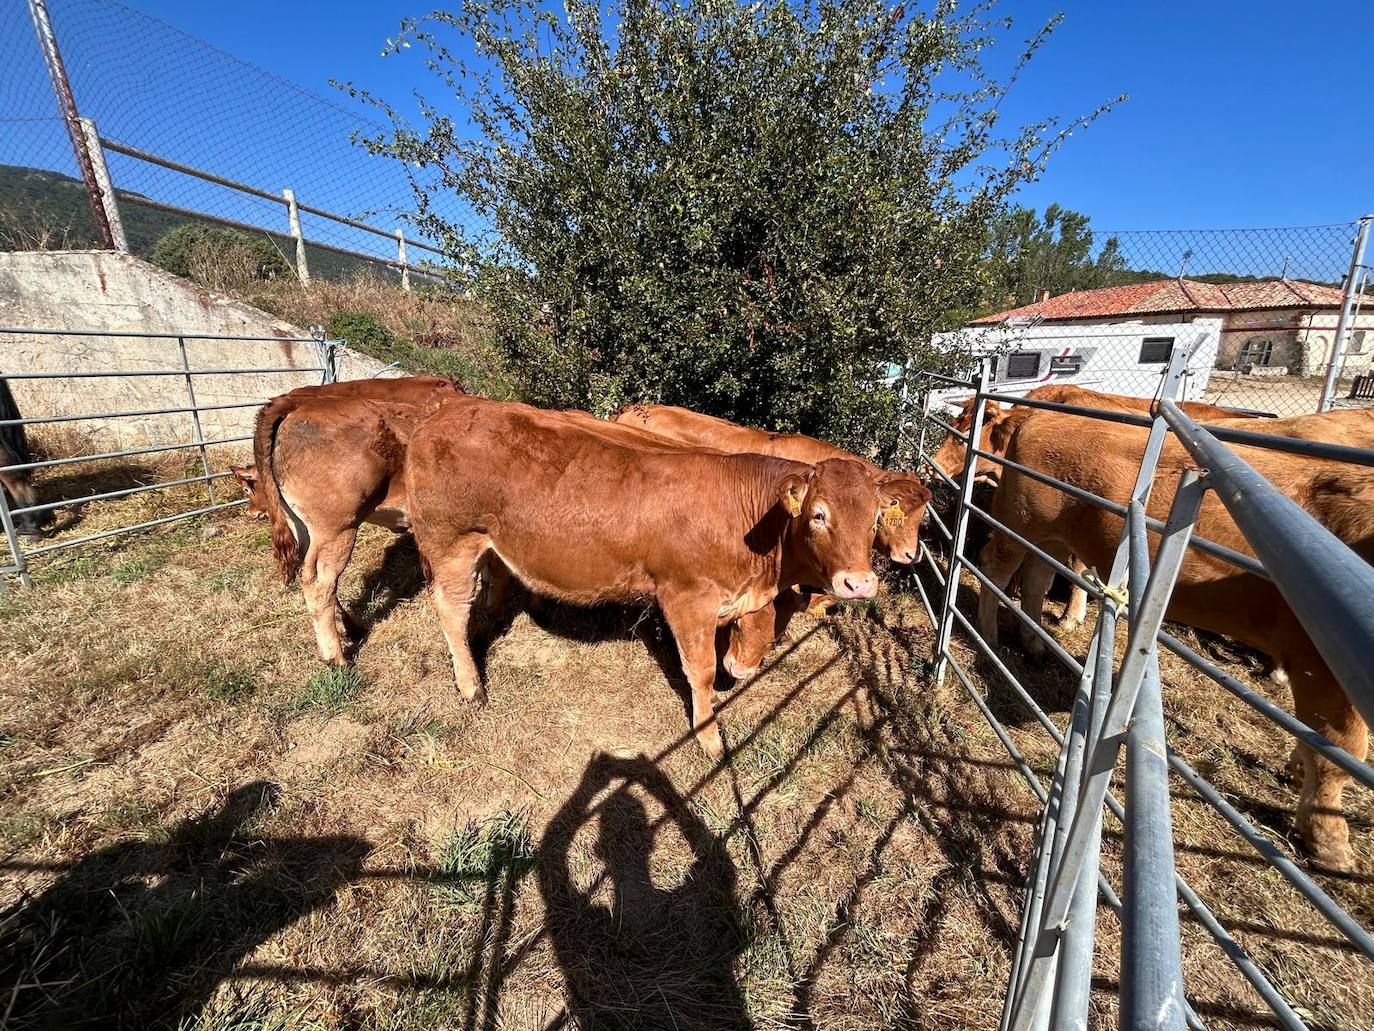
[{"x": 110, "y": 292}]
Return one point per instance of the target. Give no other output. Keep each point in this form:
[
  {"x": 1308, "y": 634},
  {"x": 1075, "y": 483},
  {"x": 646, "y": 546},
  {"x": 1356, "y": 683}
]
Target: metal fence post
[
  {"x": 195, "y": 417},
  {"x": 293, "y": 217},
  {"x": 1333, "y": 365},
  {"x": 66, "y": 105},
  {"x": 108, "y": 201},
  {"x": 12, "y": 536},
  {"x": 960, "y": 526},
  {"x": 401, "y": 258},
  {"x": 1151, "y": 955}
]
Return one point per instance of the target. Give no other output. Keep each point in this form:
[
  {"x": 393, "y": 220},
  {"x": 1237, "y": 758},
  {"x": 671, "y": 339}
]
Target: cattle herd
[{"x": 724, "y": 526}]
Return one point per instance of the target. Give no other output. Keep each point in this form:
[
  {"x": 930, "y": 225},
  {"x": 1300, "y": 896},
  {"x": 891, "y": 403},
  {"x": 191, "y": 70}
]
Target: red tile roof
[{"x": 1169, "y": 296}]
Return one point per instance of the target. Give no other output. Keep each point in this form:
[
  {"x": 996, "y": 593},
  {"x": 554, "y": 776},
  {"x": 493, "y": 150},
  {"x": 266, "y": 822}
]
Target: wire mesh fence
[
  {"x": 1102, "y": 311},
  {"x": 162, "y": 92}
]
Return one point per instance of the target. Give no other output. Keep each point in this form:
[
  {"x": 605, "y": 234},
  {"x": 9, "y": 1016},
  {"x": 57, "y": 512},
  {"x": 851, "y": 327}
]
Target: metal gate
[
  {"x": 178, "y": 368},
  {"x": 1119, "y": 706}
]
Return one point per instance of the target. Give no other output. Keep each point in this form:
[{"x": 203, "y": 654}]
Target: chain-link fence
[
  {"x": 189, "y": 130},
  {"x": 1263, "y": 309}
]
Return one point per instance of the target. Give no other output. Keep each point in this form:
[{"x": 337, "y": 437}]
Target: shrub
[
  {"x": 434, "y": 354},
  {"x": 219, "y": 258},
  {"x": 746, "y": 208}
]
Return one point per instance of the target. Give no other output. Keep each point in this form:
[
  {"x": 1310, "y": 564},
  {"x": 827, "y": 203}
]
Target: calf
[
  {"x": 904, "y": 500},
  {"x": 586, "y": 519},
  {"x": 1211, "y": 594},
  {"x": 325, "y": 464}
]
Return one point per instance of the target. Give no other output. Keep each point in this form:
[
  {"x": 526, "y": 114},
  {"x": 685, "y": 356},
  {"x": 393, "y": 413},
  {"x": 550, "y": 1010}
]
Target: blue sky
[{"x": 1241, "y": 114}]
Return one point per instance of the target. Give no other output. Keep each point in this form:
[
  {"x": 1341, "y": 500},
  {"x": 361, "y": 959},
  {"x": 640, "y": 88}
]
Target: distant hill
[{"x": 44, "y": 210}]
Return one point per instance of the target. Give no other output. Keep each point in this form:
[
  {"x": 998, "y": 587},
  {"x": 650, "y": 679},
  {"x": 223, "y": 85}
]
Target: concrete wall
[{"x": 102, "y": 290}]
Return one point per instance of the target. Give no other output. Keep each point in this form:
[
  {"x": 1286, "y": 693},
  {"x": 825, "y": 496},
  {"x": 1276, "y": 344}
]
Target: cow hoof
[
  {"x": 1069, "y": 624},
  {"x": 711, "y": 743},
  {"x": 476, "y": 697},
  {"x": 1336, "y": 860}
]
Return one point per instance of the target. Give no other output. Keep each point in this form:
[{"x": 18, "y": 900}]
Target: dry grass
[
  {"x": 201, "y": 826},
  {"x": 448, "y": 329}
]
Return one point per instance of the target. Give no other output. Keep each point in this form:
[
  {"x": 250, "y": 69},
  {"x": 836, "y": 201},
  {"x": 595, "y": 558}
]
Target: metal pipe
[
  {"x": 49, "y": 419},
  {"x": 124, "y": 493},
  {"x": 1333, "y": 367},
  {"x": 960, "y": 533},
  {"x": 136, "y": 527},
  {"x": 109, "y": 202},
  {"x": 1057, "y": 649},
  {"x": 1325, "y": 584},
  {"x": 160, "y": 372},
  {"x": 51, "y": 462},
  {"x": 142, "y": 334},
  {"x": 12, "y": 538},
  {"x": 195, "y": 419},
  {"x": 71, "y": 118},
  {"x": 1151, "y": 954},
  {"x": 1168, "y": 560}
]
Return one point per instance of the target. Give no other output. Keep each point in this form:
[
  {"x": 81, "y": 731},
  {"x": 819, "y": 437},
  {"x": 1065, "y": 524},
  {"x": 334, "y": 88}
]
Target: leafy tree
[
  {"x": 748, "y": 209},
  {"x": 1030, "y": 254}
]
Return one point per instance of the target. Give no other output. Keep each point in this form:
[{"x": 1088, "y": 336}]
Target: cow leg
[
  {"x": 455, "y": 578},
  {"x": 1036, "y": 577},
  {"x": 324, "y": 563},
  {"x": 1077, "y": 609},
  {"x": 1320, "y": 703},
  {"x": 999, "y": 561},
  {"x": 691, "y": 618}
]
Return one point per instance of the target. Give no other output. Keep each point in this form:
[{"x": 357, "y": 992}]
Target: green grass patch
[
  {"x": 329, "y": 691},
  {"x": 134, "y": 569},
  {"x": 78, "y": 567},
  {"x": 483, "y": 858}
]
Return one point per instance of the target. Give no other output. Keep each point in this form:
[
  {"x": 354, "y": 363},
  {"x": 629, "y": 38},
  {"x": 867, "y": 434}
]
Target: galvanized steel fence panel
[{"x": 1115, "y": 706}]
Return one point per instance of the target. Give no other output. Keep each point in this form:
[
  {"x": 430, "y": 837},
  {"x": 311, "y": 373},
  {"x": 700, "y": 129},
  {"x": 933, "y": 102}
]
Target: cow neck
[{"x": 772, "y": 537}]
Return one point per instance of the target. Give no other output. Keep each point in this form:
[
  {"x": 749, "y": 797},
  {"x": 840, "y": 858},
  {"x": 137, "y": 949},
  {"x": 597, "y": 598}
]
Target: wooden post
[{"x": 293, "y": 214}]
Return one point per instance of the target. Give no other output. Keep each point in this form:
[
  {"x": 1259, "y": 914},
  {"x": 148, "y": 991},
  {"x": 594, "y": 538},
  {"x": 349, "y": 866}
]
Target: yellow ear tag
[
  {"x": 792, "y": 503},
  {"x": 893, "y": 515}
]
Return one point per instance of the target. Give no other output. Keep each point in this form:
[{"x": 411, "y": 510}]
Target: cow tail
[{"x": 286, "y": 546}]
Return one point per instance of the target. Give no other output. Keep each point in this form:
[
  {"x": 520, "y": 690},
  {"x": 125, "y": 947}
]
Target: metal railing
[
  {"x": 1328, "y": 588},
  {"x": 322, "y": 368}
]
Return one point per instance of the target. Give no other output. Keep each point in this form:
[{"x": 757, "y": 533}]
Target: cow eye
[{"x": 818, "y": 518}]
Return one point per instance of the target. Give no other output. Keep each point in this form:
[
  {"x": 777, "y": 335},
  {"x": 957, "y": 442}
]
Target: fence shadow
[{"x": 138, "y": 934}]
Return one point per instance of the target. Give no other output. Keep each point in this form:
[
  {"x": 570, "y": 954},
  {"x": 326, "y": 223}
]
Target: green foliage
[
  {"x": 367, "y": 334},
  {"x": 1030, "y": 254},
  {"x": 217, "y": 257},
  {"x": 485, "y": 859},
  {"x": 749, "y": 209}
]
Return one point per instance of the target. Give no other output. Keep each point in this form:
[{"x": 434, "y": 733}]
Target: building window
[
  {"x": 1023, "y": 365},
  {"x": 1156, "y": 349},
  {"x": 1257, "y": 352},
  {"x": 1357, "y": 342},
  {"x": 1066, "y": 365}
]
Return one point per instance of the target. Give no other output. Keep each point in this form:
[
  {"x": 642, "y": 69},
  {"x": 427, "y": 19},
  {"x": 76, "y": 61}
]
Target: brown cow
[
  {"x": 586, "y": 519},
  {"x": 325, "y": 465},
  {"x": 401, "y": 389},
  {"x": 904, "y": 504},
  {"x": 904, "y": 496},
  {"x": 1211, "y": 594}
]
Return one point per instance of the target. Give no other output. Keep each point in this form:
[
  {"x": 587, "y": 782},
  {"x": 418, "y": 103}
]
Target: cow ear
[
  {"x": 247, "y": 475},
  {"x": 902, "y": 496},
  {"x": 792, "y": 493}
]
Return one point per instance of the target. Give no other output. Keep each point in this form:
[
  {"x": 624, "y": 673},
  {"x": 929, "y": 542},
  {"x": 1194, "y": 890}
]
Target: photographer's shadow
[
  {"x": 648, "y": 956},
  {"x": 139, "y": 934}
]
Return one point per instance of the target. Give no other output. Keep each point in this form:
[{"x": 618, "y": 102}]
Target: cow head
[
  {"x": 902, "y": 505},
  {"x": 832, "y": 512},
  {"x": 247, "y": 475},
  {"x": 952, "y": 455}
]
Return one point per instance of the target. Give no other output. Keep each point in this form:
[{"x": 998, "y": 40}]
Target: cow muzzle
[{"x": 850, "y": 585}]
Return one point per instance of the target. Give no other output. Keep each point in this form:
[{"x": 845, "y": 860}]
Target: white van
[{"x": 1124, "y": 359}]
